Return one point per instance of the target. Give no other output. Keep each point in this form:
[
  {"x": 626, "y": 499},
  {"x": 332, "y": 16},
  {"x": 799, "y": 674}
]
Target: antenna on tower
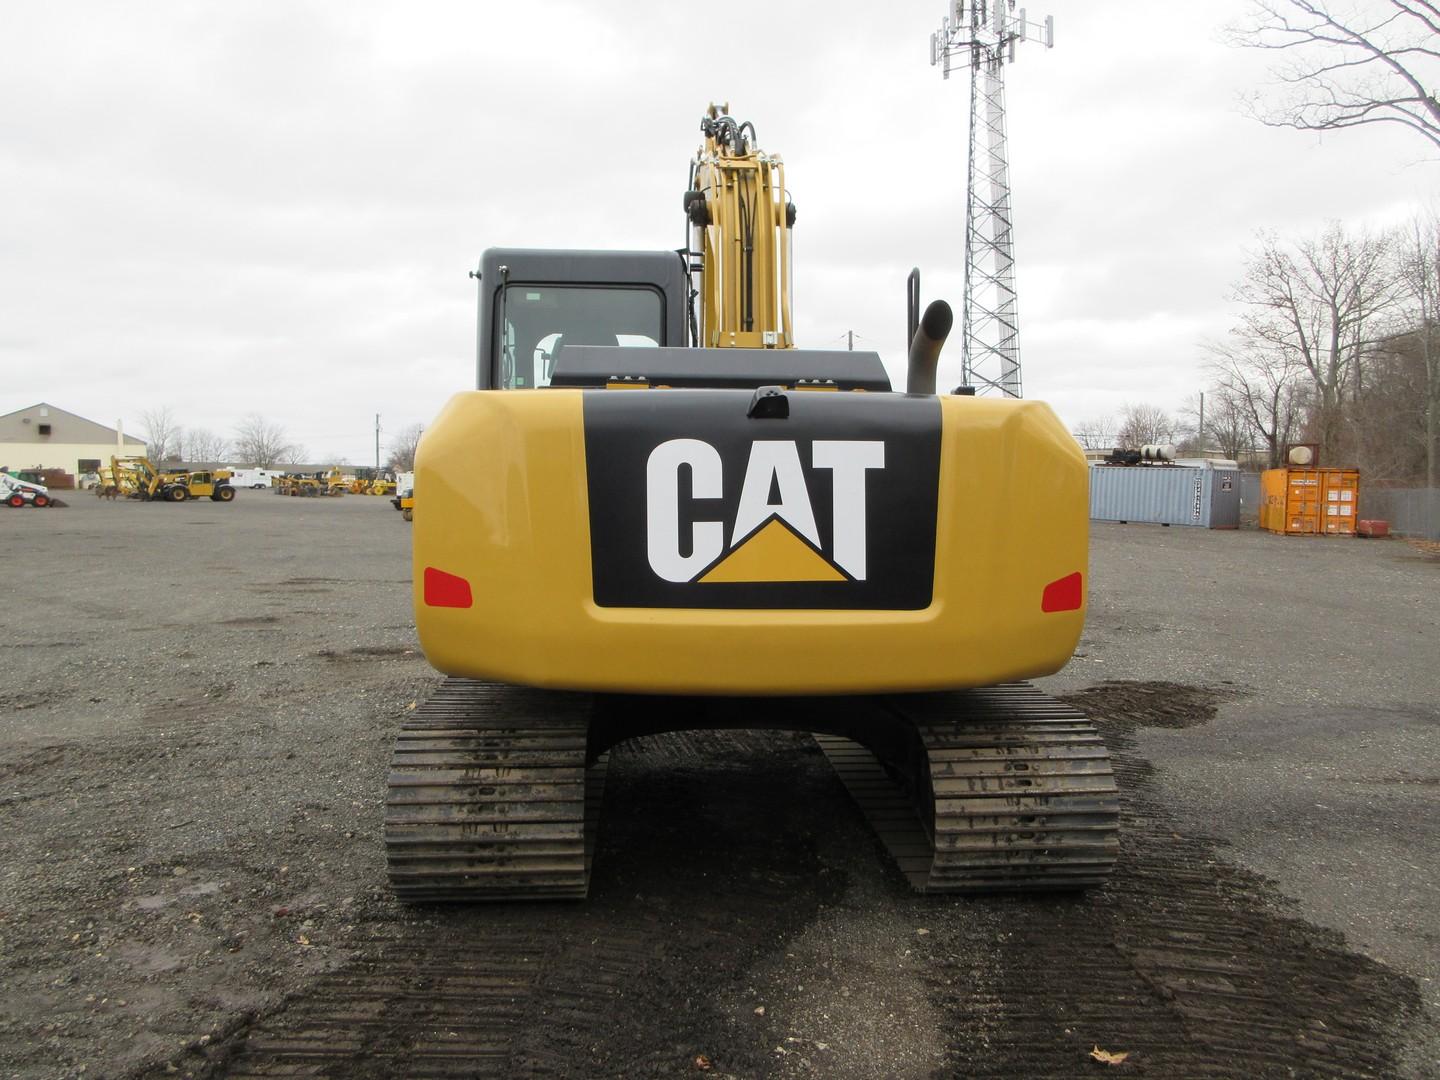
[{"x": 985, "y": 32}]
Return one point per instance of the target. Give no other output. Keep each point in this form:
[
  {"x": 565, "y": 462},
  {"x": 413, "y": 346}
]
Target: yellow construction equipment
[
  {"x": 139, "y": 478},
  {"x": 367, "y": 481},
  {"x": 679, "y": 528},
  {"x": 404, "y": 499},
  {"x": 310, "y": 484},
  {"x": 212, "y": 484},
  {"x": 112, "y": 482},
  {"x": 296, "y": 484}
]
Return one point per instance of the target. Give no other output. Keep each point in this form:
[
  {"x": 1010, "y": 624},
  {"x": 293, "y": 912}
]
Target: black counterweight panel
[{"x": 693, "y": 504}]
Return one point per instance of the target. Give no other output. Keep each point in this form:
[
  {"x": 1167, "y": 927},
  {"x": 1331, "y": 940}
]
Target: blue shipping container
[{"x": 1166, "y": 494}]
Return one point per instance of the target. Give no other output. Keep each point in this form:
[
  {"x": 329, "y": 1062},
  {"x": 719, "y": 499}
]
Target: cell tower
[{"x": 986, "y": 33}]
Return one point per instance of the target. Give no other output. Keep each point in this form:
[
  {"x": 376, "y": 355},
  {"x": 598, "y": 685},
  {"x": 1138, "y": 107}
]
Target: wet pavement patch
[{"x": 1126, "y": 705}]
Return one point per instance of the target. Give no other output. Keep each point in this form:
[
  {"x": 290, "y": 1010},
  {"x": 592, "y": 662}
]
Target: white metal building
[{"x": 45, "y": 437}]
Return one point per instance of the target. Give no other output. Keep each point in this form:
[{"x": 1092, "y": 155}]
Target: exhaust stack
[{"x": 925, "y": 345}]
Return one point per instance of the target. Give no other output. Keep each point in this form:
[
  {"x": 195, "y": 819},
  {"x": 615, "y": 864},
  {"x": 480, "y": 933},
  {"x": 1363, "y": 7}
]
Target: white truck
[{"x": 252, "y": 478}]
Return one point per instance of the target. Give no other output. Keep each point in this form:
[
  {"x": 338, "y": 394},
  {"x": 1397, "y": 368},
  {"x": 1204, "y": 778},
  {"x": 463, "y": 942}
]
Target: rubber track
[
  {"x": 1007, "y": 790},
  {"x": 490, "y": 797}
]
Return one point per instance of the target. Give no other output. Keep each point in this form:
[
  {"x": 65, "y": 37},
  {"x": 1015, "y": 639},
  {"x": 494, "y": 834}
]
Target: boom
[{"x": 740, "y": 223}]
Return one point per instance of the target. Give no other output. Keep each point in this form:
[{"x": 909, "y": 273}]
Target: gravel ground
[
  {"x": 197, "y": 710},
  {"x": 1321, "y": 770}
]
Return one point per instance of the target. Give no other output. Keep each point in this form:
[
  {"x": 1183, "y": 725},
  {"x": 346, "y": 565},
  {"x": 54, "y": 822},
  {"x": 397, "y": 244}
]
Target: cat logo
[
  {"x": 773, "y": 536},
  {"x": 696, "y": 505}
]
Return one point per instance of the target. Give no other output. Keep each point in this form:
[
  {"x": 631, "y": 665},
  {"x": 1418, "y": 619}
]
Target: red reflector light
[
  {"x": 1066, "y": 594},
  {"x": 446, "y": 590}
]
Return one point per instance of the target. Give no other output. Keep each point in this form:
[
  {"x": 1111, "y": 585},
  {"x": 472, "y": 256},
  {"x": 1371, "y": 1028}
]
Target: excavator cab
[{"x": 534, "y": 304}]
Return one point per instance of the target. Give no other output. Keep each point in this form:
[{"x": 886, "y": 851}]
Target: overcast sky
[{"x": 272, "y": 207}]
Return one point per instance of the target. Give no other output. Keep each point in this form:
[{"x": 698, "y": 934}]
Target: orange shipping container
[{"x": 1316, "y": 502}]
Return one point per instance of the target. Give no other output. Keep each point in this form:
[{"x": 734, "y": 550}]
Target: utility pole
[
  {"x": 985, "y": 33},
  {"x": 377, "y": 442},
  {"x": 851, "y": 346},
  {"x": 1201, "y": 433}
]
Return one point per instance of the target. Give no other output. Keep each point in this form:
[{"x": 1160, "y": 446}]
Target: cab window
[{"x": 541, "y": 320}]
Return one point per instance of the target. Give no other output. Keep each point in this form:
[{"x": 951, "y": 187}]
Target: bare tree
[
  {"x": 262, "y": 444},
  {"x": 1193, "y": 439},
  {"x": 1320, "y": 302},
  {"x": 204, "y": 445},
  {"x": 1225, "y": 422},
  {"x": 1420, "y": 269},
  {"x": 402, "y": 448},
  {"x": 163, "y": 435},
  {"x": 1145, "y": 424},
  {"x": 1228, "y": 425},
  {"x": 1344, "y": 68},
  {"x": 1265, "y": 384},
  {"x": 1097, "y": 433},
  {"x": 1388, "y": 416}
]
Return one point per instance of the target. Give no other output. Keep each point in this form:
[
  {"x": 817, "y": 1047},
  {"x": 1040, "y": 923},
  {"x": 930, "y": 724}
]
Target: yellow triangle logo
[{"x": 773, "y": 553}]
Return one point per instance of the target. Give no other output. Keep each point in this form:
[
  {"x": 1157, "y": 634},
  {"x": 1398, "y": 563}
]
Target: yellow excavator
[{"x": 654, "y": 514}]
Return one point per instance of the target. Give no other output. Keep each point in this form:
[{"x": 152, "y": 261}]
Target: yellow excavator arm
[{"x": 740, "y": 220}]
